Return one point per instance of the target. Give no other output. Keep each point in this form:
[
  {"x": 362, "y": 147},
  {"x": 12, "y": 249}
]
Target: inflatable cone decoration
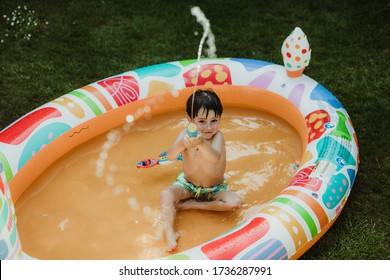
[{"x": 296, "y": 53}]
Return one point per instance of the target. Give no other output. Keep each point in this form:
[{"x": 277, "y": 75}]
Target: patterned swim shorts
[{"x": 198, "y": 192}]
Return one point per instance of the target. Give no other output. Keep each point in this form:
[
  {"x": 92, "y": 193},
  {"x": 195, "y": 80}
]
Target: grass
[{"x": 74, "y": 43}]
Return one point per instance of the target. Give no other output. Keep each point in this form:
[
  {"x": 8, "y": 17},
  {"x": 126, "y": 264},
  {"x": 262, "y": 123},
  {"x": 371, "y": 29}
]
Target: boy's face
[{"x": 207, "y": 126}]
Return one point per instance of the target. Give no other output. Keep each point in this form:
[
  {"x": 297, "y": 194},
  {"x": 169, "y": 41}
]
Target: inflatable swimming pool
[{"x": 284, "y": 228}]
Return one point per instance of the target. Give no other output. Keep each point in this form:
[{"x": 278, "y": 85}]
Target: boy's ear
[{"x": 188, "y": 119}]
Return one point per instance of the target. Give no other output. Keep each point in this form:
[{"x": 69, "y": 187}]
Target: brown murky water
[{"x": 95, "y": 204}]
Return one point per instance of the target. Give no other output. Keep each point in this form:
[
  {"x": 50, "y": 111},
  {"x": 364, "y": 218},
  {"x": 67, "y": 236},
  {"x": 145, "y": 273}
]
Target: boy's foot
[
  {"x": 187, "y": 204},
  {"x": 172, "y": 241}
]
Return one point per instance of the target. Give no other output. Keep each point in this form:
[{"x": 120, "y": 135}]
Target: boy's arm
[
  {"x": 174, "y": 151},
  {"x": 213, "y": 151}
]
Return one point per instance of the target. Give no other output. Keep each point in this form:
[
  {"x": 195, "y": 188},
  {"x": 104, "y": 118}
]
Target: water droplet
[
  {"x": 133, "y": 203},
  {"x": 129, "y": 118},
  {"x": 113, "y": 167}
]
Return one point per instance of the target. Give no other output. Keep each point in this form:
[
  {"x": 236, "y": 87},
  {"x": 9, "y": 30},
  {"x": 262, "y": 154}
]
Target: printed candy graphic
[
  {"x": 9, "y": 238},
  {"x": 21, "y": 129},
  {"x": 270, "y": 250},
  {"x": 210, "y": 74},
  {"x": 296, "y": 94},
  {"x": 303, "y": 179},
  {"x": 251, "y": 64},
  {"x": 322, "y": 94},
  {"x": 341, "y": 129},
  {"x": 124, "y": 89},
  {"x": 160, "y": 70},
  {"x": 226, "y": 247},
  {"x": 71, "y": 105},
  {"x": 40, "y": 139},
  {"x": 264, "y": 80},
  {"x": 315, "y": 122},
  {"x": 335, "y": 191}
]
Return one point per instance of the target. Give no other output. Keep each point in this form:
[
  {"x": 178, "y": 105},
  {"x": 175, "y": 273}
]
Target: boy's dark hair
[{"x": 206, "y": 99}]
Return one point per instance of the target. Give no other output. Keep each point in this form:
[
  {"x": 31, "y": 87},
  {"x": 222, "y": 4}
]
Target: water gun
[
  {"x": 192, "y": 130},
  {"x": 161, "y": 160}
]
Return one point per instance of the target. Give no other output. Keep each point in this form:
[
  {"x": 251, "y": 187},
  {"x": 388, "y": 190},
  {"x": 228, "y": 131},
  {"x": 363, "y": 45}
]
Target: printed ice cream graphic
[{"x": 296, "y": 53}]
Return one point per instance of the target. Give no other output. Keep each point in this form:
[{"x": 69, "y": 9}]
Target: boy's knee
[
  {"x": 234, "y": 202},
  {"x": 166, "y": 196}
]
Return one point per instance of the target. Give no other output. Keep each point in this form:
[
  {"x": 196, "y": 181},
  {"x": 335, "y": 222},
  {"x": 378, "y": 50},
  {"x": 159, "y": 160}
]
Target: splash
[
  {"x": 129, "y": 118},
  {"x": 113, "y": 138},
  {"x": 207, "y": 33}
]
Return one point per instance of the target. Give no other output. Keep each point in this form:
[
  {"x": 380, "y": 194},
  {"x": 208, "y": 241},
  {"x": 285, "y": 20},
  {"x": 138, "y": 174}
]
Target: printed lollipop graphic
[{"x": 296, "y": 53}]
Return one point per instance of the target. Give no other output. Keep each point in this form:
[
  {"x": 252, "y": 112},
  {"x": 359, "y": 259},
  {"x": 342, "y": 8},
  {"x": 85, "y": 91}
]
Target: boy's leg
[
  {"x": 169, "y": 197},
  {"x": 223, "y": 201}
]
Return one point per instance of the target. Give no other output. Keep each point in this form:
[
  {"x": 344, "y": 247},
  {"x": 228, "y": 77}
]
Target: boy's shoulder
[{"x": 218, "y": 136}]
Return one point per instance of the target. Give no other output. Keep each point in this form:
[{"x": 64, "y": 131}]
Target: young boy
[{"x": 201, "y": 185}]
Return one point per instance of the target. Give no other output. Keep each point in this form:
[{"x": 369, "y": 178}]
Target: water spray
[{"x": 207, "y": 33}]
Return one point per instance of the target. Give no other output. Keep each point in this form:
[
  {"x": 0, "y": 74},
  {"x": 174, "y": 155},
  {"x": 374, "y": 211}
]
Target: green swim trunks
[{"x": 200, "y": 193}]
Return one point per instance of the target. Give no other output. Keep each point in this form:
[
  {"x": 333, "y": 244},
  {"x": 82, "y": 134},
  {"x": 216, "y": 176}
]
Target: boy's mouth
[{"x": 207, "y": 133}]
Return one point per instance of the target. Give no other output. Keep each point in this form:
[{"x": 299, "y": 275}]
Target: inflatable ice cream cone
[{"x": 296, "y": 53}]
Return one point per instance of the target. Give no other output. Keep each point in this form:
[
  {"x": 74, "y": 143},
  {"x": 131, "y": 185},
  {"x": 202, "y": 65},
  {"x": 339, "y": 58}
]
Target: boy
[{"x": 201, "y": 185}]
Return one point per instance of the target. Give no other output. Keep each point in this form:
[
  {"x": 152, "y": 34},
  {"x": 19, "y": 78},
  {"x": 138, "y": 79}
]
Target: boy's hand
[{"x": 191, "y": 142}]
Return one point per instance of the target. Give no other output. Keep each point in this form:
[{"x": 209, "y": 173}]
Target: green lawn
[{"x": 64, "y": 45}]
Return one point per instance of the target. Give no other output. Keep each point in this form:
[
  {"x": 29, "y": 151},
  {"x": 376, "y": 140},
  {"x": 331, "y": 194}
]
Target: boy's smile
[{"x": 207, "y": 123}]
